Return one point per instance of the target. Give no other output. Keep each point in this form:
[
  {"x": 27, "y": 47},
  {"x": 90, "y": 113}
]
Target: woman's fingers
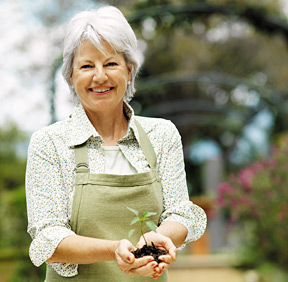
[
  {"x": 169, "y": 258},
  {"x": 166, "y": 261},
  {"x": 164, "y": 243},
  {"x": 141, "y": 243},
  {"x": 126, "y": 260},
  {"x": 159, "y": 241},
  {"x": 141, "y": 262},
  {"x": 173, "y": 253},
  {"x": 158, "y": 269},
  {"x": 124, "y": 256},
  {"x": 147, "y": 270},
  {"x": 145, "y": 266},
  {"x": 124, "y": 251},
  {"x": 161, "y": 267}
]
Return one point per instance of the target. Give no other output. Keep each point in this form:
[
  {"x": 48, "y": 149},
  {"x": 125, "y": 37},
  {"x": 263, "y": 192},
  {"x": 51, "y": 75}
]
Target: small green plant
[{"x": 143, "y": 219}]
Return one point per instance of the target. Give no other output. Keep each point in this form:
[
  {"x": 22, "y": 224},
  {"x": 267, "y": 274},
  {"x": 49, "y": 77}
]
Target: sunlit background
[{"x": 218, "y": 70}]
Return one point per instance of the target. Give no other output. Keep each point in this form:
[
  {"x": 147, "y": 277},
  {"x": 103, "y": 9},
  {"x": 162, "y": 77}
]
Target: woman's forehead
[{"x": 88, "y": 48}]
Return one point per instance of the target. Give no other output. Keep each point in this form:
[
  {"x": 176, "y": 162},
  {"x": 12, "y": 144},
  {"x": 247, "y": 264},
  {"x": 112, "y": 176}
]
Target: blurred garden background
[{"x": 218, "y": 69}]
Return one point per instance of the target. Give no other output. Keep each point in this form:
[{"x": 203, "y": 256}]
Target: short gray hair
[{"x": 105, "y": 23}]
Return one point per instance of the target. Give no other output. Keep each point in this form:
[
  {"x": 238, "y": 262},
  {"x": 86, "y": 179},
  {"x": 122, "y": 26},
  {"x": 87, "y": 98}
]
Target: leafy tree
[
  {"x": 210, "y": 68},
  {"x": 13, "y": 220},
  {"x": 12, "y": 164},
  {"x": 210, "y": 65},
  {"x": 14, "y": 239}
]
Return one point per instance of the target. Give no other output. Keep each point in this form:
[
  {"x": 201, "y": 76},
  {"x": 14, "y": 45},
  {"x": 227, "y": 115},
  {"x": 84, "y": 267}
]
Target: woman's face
[{"x": 100, "y": 78}]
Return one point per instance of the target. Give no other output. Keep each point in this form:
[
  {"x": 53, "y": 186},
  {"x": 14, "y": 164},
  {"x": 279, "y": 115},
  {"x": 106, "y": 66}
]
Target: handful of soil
[{"x": 150, "y": 251}]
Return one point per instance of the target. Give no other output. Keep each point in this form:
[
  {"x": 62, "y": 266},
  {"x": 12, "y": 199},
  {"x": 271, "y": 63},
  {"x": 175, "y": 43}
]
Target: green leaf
[
  {"x": 151, "y": 225},
  {"x": 136, "y": 219},
  {"x": 134, "y": 211},
  {"x": 148, "y": 214},
  {"x": 131, "y": 232}
]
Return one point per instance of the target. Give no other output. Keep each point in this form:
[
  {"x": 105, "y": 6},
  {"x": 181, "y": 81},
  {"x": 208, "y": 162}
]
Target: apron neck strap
[
  {"x": 146, "y": 146},
  {"x": 81, "y": 158},
  {"x": 147, "y": 149},
  {"x": 81, "y": 153}
]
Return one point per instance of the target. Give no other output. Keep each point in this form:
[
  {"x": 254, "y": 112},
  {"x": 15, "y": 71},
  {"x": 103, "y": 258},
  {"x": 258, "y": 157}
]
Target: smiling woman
[
  {"x": 84, "y": 171},
  {"x": 100, "y": 78},
  {"x": 110, "y": 28}
]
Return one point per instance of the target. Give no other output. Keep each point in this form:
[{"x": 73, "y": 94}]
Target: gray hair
[{"x": 106, "y": 23}]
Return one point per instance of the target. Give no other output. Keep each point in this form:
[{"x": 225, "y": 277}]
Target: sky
[
  {"x": 26, "y": 47},
  {"x": 22, "y": 96}
]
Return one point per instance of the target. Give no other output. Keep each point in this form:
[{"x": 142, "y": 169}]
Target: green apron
[{"x": 99, "y": 210}]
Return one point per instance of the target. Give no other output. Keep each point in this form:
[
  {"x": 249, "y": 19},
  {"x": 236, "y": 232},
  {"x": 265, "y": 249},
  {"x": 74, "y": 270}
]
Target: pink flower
[
  {"x": 225, "y": 188},
  {"x": 273, "y": 163},
  {"x": 245, "y": 177},
  {"x": 245, "y": 200}
]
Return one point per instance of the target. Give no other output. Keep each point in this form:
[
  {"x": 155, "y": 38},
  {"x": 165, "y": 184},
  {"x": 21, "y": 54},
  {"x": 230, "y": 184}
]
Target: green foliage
[
  {"x": 270, "y": 272},
  {"x": 256, "y": 198},
  {"x": 179, "y": 47},
  {"x": 25, "y": 271},
  {"x": 143, "y": 219},
  {"x": 14, "y": 239},
  {"x": 201, "y": 57},
  {"x": 12, "y": 166},
  {"x": 13, "y": 219}
]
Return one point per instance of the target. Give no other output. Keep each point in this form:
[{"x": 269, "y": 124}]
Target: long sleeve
[
  {"x": 47, "y": 201},
  {"x": 177, "y": 206},
  {"x": 50, "y": 179}
]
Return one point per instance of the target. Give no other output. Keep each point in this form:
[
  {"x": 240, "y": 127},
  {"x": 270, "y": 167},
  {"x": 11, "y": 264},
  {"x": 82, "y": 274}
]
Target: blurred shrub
[
  {"x": 12, "y": 162},
  {"x": 14, "y": 239},
  {"x": 13, "y": 219},
  {"x": 25, "y": 272},
  {"x": 256, "y": 198}
]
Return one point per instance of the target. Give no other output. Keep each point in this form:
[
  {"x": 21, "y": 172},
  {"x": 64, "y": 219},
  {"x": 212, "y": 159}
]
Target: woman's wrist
[
  {"x": 173, "y": 230},
  {"x": 112, "y": 249}
]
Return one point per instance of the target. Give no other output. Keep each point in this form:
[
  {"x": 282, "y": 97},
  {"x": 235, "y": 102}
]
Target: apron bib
[{"x": 99, "y": 210}]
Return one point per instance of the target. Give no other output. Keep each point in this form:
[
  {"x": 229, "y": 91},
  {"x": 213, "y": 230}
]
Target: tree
[
  {"x": 12, "y": 161},
  {"x": 205, "y": 64},
  {"x": 207, "y": 67}
]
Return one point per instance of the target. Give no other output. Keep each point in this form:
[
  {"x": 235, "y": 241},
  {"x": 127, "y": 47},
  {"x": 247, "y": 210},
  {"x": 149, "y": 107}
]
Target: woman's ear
[
  {"x": 129, "y": 68},
  {"x": 71, "y": 81}
]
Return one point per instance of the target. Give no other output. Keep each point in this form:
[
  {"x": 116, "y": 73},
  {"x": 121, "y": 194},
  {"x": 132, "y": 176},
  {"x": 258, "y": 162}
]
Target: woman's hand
[
  {"x": 126, "y": 261},
  {"x": 162, "y": 242}
]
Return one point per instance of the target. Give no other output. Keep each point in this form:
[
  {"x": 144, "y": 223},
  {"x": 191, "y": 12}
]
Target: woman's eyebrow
[{"x": 111, "y": 58}]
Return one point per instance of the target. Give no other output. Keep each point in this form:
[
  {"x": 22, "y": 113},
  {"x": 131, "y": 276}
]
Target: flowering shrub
[{"x": 257, "y": 198}]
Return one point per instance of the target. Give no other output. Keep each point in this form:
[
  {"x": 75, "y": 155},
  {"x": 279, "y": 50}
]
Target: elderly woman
[{"x": 84, "y": 172}]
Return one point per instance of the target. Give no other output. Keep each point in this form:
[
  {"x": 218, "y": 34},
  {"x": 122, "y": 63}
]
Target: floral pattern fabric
[{"x": 50, "y": 178}]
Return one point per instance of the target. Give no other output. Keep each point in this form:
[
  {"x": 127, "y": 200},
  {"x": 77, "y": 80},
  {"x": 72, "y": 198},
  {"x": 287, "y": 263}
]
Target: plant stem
[{"x": 141, "y": 224}]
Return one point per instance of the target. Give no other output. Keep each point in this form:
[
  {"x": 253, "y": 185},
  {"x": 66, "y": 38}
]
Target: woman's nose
[{"x": 99, "y": 75}]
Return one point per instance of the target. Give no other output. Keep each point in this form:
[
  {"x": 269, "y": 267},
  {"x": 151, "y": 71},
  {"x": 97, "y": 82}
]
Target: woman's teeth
[{"x": 100, "y": 90}]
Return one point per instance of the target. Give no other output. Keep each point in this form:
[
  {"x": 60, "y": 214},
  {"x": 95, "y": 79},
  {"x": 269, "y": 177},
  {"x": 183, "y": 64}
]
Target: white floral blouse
[{"x": 50, "y": 178}]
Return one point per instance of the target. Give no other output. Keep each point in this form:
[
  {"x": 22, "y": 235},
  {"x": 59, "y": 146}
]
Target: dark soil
[{"x": 150, "y": 251}]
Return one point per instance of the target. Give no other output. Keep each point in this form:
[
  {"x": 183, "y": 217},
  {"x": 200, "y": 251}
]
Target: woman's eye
[
  {"x": 111, "y": 64},
  {"x": 86, "y": 66}
]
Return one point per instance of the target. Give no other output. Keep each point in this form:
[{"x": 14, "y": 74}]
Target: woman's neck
[{"x": 111, "y": 126}]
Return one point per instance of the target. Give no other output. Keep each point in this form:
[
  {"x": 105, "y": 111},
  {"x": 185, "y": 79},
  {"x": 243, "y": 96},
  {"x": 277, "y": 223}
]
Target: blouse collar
[{"x": 82, "y": 128}]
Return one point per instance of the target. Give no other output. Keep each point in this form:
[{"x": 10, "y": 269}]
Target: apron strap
[
  {"x": 81, "y": 153},
  {"x": 147, "y": 149},
  {"x": 81, "y": 158}
]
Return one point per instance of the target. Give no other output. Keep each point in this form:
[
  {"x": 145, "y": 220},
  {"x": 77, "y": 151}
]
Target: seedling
[{"x": 143, "y": 219}]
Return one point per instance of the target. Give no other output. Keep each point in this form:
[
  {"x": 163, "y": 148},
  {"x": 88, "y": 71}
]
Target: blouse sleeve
[
  {"x": 48, "y": 222},
  {"x": 177, "y": 206}
]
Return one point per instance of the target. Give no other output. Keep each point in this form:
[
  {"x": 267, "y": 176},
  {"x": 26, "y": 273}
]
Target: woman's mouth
[{"x": 100, "y": 90}]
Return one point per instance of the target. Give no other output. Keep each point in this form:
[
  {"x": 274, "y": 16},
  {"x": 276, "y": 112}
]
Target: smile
[{"x": 100, "y": 90}]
